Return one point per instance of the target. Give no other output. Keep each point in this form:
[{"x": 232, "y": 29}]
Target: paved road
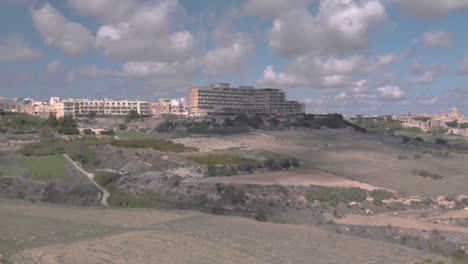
[{"x": 104, "y": 193}]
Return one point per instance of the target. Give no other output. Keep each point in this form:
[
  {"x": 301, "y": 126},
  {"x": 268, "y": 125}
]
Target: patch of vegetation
[
  {"x": 104, "y": 178},
  {"x": 379, "y": 196},
  {"x": 378, "y": 124},
  {"x": 20, "y": 123},
  {"x": 148, "y": 199},
  {"x": 126, "y": 135},
  {"x": 45, "y": 168},
  {"x": 333, "y": 196},
  {"x": 211, "y": 170},
  {"x": 79, "y": 151},
  {"x": 260, "y": 215},
  {"x": 9, "y": 170},
  {"x": 45, "y": 147},
  {"x": 428, "y": 174},
  {"x": 221, "y": 159},
  {"x": 156, "y": 144}
]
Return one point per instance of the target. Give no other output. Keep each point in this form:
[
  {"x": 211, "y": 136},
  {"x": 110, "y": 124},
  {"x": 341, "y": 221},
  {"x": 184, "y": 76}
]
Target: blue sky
[{"x": 347, "y": 56}]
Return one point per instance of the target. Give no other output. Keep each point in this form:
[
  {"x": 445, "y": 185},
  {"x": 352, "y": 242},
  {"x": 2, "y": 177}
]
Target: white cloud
[
  {"x": 228, "y": 58},
  {"x": 106, "y": 11},
  {"x": 54, "y": 66},
  {"x": 430, "y": 9},
  {"x": 438, "y": 39},
  {"x": 390, "y": 93},
  {"x": 268, "y": 8},
  {"x": 14, "y": 48},
  {"x": 325, "y": 72},
  {"x": 146, "y": 35},
  {"x": 339, "y": 26},
  {"x": 144, "y": 69},
  {"x": 464, "y": 66},
  {"x": 428, "y": 99},
  {"x": 425, "y": 73},
  {"x": 57, "y": 31}
]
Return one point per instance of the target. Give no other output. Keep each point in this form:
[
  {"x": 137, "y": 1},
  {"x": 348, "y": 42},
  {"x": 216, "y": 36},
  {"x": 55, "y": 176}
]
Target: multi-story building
[
  {"x": 169, "y": 106},
  {"x": 44, "y": 109},
  {"x": 222, "y": 99},
  {"x": 81, "y": 107}
]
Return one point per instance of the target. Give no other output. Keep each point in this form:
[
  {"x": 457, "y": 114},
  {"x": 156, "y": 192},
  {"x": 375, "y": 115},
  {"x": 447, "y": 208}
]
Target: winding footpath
[{"x": 104, "y": 193}]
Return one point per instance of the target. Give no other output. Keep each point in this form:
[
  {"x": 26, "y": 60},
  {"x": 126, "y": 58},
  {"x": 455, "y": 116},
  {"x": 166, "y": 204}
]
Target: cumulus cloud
[
  {"x": 425, "y": 73},
  {"x": 228, "y": 58},
  {"x": 14, "y": 48},
  {"x": 146, "y": 35},
  {"x": 268, "y": 8},
  {"x": 325, "y": 72},
  {"x": 390, "y": 93},
  {"x": 339, "y": 26},
  {"x": 438, "y": 39},
  {"x": 464, "y": 66},
  {"x": 57, "y": 31},
  {"x": 106, "y": 11},
  {"x": 145, "y": 69},
  {"x": 430, "y": 9}
]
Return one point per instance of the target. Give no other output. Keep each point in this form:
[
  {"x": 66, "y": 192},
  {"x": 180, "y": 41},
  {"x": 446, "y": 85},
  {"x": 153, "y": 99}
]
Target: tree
[
  {"x": 131, "y": 115},
  {"x": 52, "y": 120},
  {"x": 453, "y": 124},
  {"x": 122, "y": 126},
  {"x": 92, "y": 114}
]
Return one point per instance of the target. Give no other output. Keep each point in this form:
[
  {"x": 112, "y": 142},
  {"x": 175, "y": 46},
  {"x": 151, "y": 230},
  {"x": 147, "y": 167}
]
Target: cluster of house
[
  {"x": 216, "y": 99},
  {"x": 453, "y": 122},
  {"x": 98, "y": 107}
]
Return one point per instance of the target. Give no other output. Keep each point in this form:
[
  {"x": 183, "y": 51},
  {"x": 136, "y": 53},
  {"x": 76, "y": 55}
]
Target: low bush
[
  {"x": 148, "y": 199},
  {"x": 333, "y": 196},
  {"x": 221, "y": 159},
  {"x": 156, "y": 144},
  {"x": 260, "y": 216},
  {"x": 122, "y": 127},
  {"x": 79, "y": 151},
  {"x": 380, "y": 195},
  {"x": 428, "y": 174},
  {"x": 105, "y": 178}
]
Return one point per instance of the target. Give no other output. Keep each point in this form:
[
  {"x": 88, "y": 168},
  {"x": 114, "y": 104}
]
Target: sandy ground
[
  {"x": 149, "y": 236},
  {"x": 207, "y": 144},
  {"x": 294, "y": 178},
  {"x": 367, "y": 158}
]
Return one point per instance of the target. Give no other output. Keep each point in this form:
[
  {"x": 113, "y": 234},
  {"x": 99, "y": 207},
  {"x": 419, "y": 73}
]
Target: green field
[
  {"x": 220, "y": 159},
  {"x": 126, "y": 135},
  {"x": 104, "y": 178},
  {"x": 45, "y": 168},
  {"x": 9, "y": 170},
  {"x": 156, "y": 144}
]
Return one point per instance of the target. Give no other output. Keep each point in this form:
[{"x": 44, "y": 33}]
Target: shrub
[
  {"x": 87, "y": 131},
  {"x": 212, "y": 171},
  {"x": 70, "y": 131},
  {"x": 379, "y": 196},
  {"x": 148, "y": 199},
  {"x": 295, "y": 163},
  {"x": 105, "y": 178},
  {"x": 332, "y": 196},
  {"x": 427, "y": 174},
  {"x": 233, "y": 195},
  {"x": 260, "y": 216},
  {"x": 441, "y": 141},
  {"x": 79, "y": 151},
  {"x": 165, "y": 126},
  {"x": 220, "y": 159},
  {"x": 156, "y": 144},
  {"x": 109, "y": 132},
  {"x": 122, "y": 127},
  {"x": 45, "y": 147}
]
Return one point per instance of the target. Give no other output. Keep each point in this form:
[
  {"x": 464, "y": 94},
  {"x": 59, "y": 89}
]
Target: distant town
[{"x": 216, "y": 99}]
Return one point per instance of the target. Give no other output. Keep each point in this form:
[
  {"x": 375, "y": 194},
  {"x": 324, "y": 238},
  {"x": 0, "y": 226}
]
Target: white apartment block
[
  {"x": 106, "y": 107},
  {"x": 169, "y": 106},
  {"x": 222, "y": 99}
]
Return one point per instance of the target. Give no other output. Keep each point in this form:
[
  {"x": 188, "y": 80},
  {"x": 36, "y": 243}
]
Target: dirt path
[
  {"x": 104, "y": 193},
  {"x": 293, "y": 178}
]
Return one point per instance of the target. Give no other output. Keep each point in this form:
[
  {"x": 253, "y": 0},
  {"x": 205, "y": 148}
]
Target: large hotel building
[{"x": 222, "y": 99}]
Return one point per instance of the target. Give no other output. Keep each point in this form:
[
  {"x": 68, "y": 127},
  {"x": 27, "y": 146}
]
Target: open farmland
[
  {"x": 46, "y": 234},
  {"x": 373, "y": 159}
]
